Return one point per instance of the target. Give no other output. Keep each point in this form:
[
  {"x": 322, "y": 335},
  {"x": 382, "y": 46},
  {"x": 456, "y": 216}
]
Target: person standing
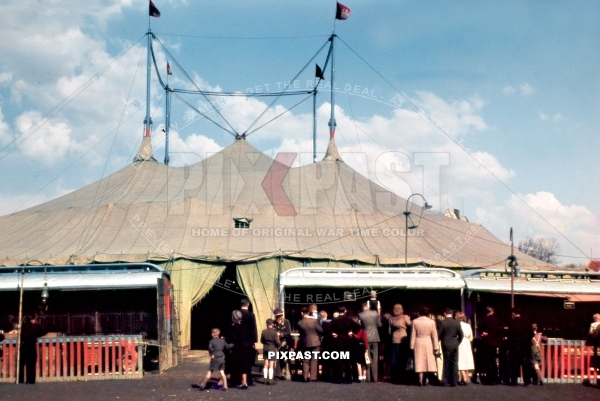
[
  {"x": 519, "y": 348},
  {"x": 309, "y": 329},
  {"x": 343, "y": 328},
  {"x": 249, "y": 340},
  {"x": 29, "y": 335},
  {"x": 536, "y": 354},
  {"x": 398, "y": 329},
  {"x": 216, "y": 350},
  {"x": 235, "y": 360},
  {"x": 489, "y": 330},
  {"x": 270, "y": 341},
  {"x": 593, "y": 339},
  {"x": 328, "y": 345},
  {"x": 374, "y": 304},
  {"x": 371, "y": 322},
  {"x": 465, "y": 352},
  {"x": 284, "y": 329},
  {"x": 424, "y": 343},
  {"x": 451, "y": 335}
]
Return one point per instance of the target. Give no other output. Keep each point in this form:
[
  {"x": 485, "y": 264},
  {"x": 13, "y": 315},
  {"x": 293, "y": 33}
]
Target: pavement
[{"x": 180, "y": 383}]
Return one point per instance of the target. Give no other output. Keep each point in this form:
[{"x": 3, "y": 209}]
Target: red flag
[
  {"x": 169, "y": 71},
  {"x": 342, "y": 12},
  {"x": 154, "y": 11}
]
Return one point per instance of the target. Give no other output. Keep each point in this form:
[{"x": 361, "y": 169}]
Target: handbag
[{"x": 367, "y": 358}]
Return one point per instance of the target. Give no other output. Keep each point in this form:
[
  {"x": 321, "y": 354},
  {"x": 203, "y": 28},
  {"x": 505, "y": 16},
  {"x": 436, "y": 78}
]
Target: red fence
[
  {"x": 79, "y": 358},
  {"x": 568, "y": 361}
]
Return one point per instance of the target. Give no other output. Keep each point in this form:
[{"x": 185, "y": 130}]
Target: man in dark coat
[
  {"x": 343, "y": 329},
  {"x": 249, "y": 340},
  {"x": 28, "y": 350},
  {"x": 451, "y": 335},
  {"x": 489, "y": 330},
  {"x": 520, "y": 334},
  {"x": 284, "y": 329},
  {"x": 309, "y": 329},
  {"x": 371, "y": 322}
]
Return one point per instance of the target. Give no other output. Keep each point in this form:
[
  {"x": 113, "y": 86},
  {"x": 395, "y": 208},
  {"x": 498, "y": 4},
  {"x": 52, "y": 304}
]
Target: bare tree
[{"x": 545, "y": 249}]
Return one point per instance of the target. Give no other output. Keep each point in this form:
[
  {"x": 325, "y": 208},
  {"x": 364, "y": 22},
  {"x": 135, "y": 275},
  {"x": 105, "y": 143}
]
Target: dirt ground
[{"x": 180, "y": 383}]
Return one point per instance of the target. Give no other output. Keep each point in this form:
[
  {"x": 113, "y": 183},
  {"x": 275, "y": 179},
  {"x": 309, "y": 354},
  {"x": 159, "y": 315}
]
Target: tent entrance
[{"x": 214, "y": 310}]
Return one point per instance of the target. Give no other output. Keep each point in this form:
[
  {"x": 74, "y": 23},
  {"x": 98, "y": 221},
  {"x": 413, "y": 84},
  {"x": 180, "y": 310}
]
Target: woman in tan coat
[
  {"x": 398, "y": 329},
  {"x": 424, "y": 342}
]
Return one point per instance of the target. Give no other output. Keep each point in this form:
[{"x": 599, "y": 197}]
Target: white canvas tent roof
[{"x": 151, "y": 212}]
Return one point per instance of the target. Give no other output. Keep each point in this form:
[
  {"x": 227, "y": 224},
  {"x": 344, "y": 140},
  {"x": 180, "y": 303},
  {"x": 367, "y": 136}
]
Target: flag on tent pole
[
  {"x": 342, "y": 12},
  {"x": 319, "y": 72},
  {"x": 169, "y": 71},
  {"x": 154, "y": 11}
]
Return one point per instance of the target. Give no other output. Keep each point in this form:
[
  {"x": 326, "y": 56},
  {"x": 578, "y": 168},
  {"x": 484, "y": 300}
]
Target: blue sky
[{"x": 515, "y": 82}]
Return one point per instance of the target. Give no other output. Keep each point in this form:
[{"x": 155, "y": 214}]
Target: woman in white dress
[{"x": 465, "y": 353}]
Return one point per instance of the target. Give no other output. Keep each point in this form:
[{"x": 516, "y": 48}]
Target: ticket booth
[{"x": 331, "y": 287}]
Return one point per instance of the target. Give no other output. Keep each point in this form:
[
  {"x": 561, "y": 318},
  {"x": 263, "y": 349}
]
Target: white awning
[
  {"x": 551, "y": 282},
  {"x": 81, "y": 277},
  {"x": 413, "y": 278}
]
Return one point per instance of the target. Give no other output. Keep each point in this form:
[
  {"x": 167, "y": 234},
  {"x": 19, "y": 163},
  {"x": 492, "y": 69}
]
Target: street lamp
[
  {"x": 407, "y": 214},
  {"x": 515, "y": 271}
]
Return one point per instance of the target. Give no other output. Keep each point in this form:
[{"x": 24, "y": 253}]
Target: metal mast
[{"x": 148, "y": 120}]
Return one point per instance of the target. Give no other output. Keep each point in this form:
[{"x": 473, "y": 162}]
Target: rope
[
  {"x": 285, "y": 89},
  {"x": 191, "y": 80},
  {"x": 286, "y": 111},
  {"x": 440, "y": 129},
  {"x": 204, "y": 115}
]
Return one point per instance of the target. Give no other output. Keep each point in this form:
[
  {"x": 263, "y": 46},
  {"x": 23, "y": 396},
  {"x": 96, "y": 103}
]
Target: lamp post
[
  {"x": 407, "y": 214},
  {"x": 514, "y": 269}
]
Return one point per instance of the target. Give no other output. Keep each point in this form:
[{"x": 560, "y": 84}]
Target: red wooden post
[
  {"x": 71, "y": 358},
  {"x": 58, "y": 358},
  {"x": 543, "y": 363},
  {"x": 11, "y": 360},
  {"x": 85, "y": 358},
  {"x": 113, "y": 349},
  {"x": 52, "y": 358},
  {"x": 120, "y": 357},
  {"x": 79, "y": 364},
  {"x": 557, "y": 348},
  {"x": 65, "y": 349},
  {"x": 3, "y": 373},
  {"x": 582, "y": 360},
  {"x": 569, "y": 360},
  {"x": 99, "y": 356},
  {"x": 106, "y": 352},
  {"x": 38, "y": 360}
]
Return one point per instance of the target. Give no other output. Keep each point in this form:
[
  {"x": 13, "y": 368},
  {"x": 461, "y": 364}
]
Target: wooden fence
[
  {"x": 79, "y": 358},
  {"x": 568, "y": 361}
]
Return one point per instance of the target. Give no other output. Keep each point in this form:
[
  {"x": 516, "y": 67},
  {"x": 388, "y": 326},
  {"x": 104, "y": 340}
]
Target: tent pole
[
  {"x": 147, "y": 119},
  {"x": 332, "y": 123},
  {"x": 20, "y": 327},
  {"x": 167, "y": 124}
]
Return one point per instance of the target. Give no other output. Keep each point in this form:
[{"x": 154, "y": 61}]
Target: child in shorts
[
  {"x": 270, "y": 341},
  {"x": 216, "y": 348}
]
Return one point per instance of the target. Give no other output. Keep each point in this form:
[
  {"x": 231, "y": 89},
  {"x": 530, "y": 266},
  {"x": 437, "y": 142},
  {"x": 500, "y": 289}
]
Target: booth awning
[
  {"x": 413, "y": 278},
  {"x": 563, "y": 284},
  {"x": 569, "y": 297},
  {"x": 81, "y": 277}
]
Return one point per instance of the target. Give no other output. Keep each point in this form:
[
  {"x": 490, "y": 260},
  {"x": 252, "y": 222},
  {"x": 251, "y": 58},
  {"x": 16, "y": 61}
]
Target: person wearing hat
[
  {"x": 270, "y": 341},
  {"x": 284, "y": 330},
  {"x": 249, "y": 340},
  {"x": 235, "y": 361}
]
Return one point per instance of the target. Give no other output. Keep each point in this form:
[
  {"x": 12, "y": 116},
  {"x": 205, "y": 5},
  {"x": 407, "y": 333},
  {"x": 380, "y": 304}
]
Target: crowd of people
[{"x": 411, "y": 349}]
